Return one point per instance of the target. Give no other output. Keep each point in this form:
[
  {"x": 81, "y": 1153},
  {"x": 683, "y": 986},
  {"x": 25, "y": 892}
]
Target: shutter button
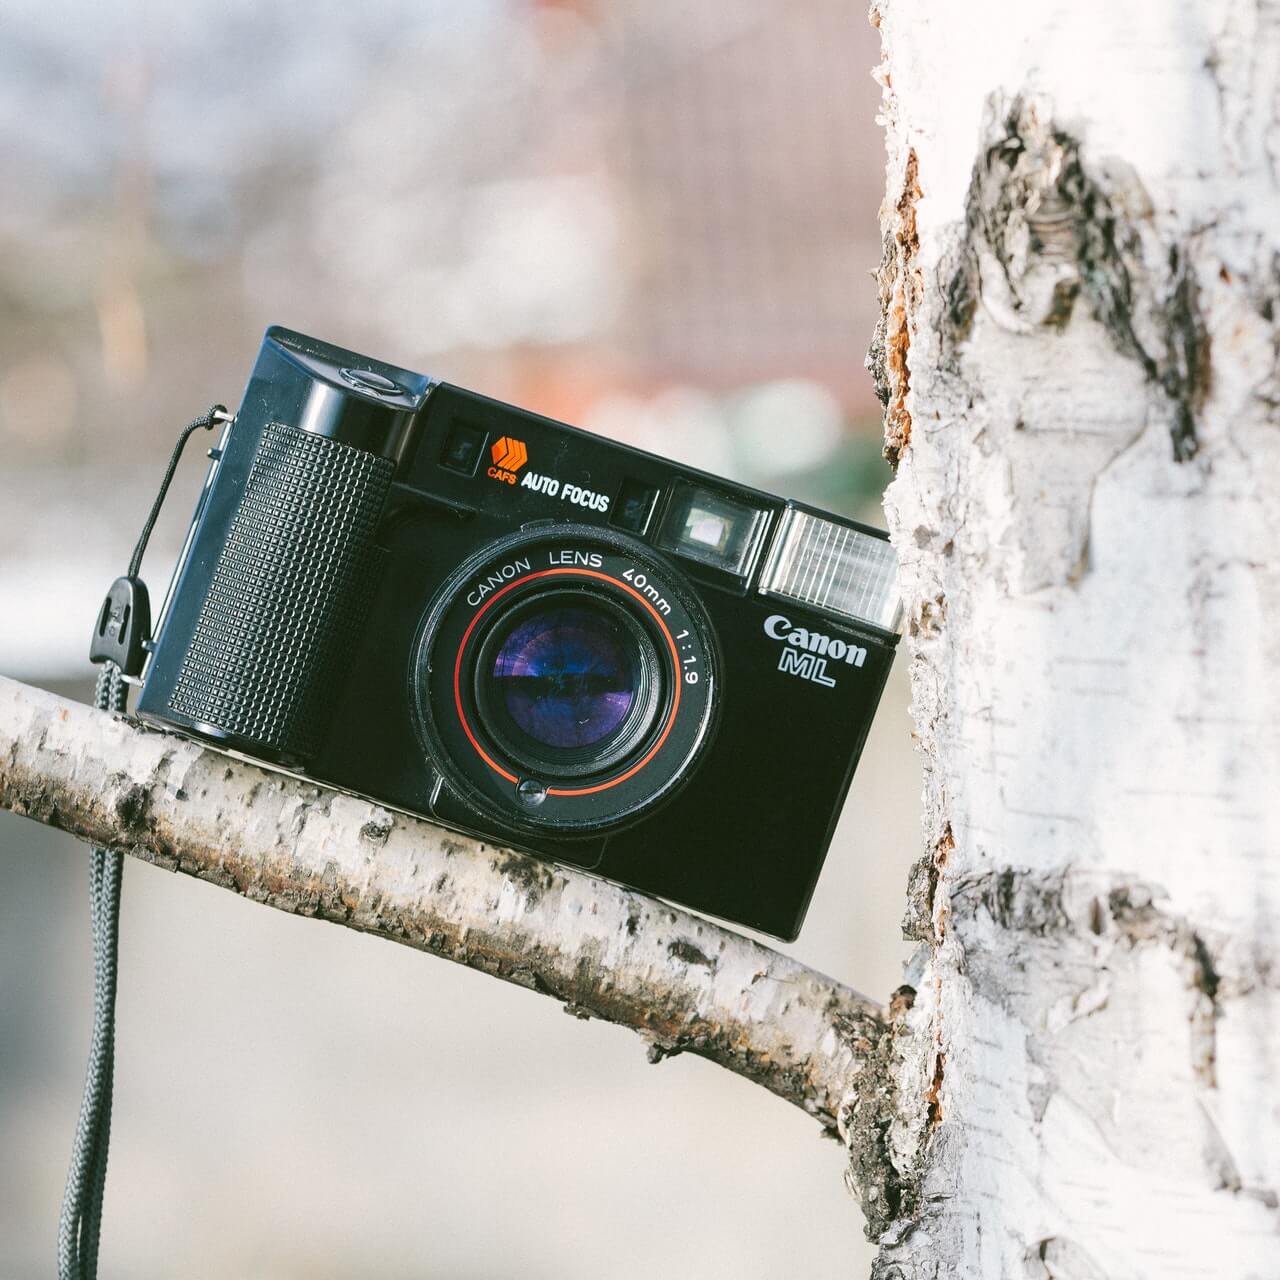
[{"x": 374, "y": 383}]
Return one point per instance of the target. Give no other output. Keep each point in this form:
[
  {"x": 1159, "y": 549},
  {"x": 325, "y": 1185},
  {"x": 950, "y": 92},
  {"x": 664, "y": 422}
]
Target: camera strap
[{"x": 120, "y": 642}]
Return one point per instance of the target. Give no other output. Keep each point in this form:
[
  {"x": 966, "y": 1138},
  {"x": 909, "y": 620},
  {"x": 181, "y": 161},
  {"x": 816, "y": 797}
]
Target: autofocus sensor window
[
  {"x": 568, "y": 683},
  {"x": 712, "y": 527}
]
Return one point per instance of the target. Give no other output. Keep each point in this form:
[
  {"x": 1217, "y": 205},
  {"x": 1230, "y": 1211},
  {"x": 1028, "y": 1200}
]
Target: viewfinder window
[
  {"x": 462, "y": 448},
  {"x": 712, "y": 527},
  {"x": 634, "y": 505}
]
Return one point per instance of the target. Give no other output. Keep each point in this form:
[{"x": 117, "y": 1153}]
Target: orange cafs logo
[{"x": 509, "y": 455}]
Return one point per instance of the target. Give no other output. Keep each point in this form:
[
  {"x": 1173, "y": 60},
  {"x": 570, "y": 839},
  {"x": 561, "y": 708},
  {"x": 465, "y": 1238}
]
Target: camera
[{"x": 526, "y": 632}]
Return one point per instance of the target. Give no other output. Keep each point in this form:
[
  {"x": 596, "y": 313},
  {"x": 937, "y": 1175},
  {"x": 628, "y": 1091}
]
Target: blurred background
[{"x": 651, "y": 219}]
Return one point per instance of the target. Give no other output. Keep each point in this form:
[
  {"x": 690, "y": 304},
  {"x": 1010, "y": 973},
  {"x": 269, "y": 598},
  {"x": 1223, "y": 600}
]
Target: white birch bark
[
  {"x": 1081, "y": 292},
  {"x": 684, "y": 984}
]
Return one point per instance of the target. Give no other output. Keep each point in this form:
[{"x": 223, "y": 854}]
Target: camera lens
[
  {"x": 564, "y": 682},
  {"x": 568, "y": 683},
  {"x": 566, "y": 676}
]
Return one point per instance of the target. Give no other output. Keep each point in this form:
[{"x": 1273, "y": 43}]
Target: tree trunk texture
[{"x": 1078, "y": 357}]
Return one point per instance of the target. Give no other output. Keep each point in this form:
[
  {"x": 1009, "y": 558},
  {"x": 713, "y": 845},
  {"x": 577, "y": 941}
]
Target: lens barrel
[{"x": 564, "y": 680}]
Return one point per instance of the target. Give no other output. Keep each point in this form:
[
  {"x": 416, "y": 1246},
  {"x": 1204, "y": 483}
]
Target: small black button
[
  {"x": 634, "y": 506},
  {"x": 463, "y": 446}
]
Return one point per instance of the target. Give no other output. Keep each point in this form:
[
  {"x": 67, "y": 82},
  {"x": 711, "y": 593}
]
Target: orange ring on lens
[{"x": 577, "y": 573}]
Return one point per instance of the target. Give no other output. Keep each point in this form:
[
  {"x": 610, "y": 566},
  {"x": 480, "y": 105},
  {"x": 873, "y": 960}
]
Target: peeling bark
[
  {"x": 684, "y": 984},
  {"x": 1086, "y": 509},
  {"x": 900, "y": 285}
]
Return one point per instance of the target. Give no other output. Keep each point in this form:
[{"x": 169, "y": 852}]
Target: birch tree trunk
[{"x": 1078, "y": 356}]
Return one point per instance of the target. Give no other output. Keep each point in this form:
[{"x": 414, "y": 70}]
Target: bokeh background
[{"x": 649, "y": 218}]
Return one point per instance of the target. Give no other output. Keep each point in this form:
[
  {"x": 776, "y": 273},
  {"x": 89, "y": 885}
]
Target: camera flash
[{"x": 833, "y": 567}]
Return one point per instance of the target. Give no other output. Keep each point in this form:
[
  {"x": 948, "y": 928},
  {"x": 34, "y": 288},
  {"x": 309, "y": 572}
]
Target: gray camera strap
[{"x": 119, "y": 645}]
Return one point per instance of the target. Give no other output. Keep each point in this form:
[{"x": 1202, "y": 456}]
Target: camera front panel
[{"x": 569, "y": 645}]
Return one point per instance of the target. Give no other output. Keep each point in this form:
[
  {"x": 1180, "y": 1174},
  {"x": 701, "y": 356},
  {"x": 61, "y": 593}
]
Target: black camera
[{"x": 527, "y": 632}]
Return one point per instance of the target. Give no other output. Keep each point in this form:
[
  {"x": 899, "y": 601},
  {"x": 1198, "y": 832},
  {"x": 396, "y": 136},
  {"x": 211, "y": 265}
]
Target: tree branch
[{"x": 684, "y": 984}]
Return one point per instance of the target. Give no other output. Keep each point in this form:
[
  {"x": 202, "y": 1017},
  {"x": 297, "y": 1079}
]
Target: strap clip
[{"x": 124, "y": 624}]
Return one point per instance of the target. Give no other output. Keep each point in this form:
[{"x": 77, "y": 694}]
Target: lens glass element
[{"x": 567, "y": 674}]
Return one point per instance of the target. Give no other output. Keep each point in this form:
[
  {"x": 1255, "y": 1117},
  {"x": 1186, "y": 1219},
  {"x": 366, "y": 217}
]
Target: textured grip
[{"x": 288, "y": 596}]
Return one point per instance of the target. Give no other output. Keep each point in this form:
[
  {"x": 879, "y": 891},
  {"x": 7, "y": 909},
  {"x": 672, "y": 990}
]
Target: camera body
[{"x": 527, "y": 632}]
